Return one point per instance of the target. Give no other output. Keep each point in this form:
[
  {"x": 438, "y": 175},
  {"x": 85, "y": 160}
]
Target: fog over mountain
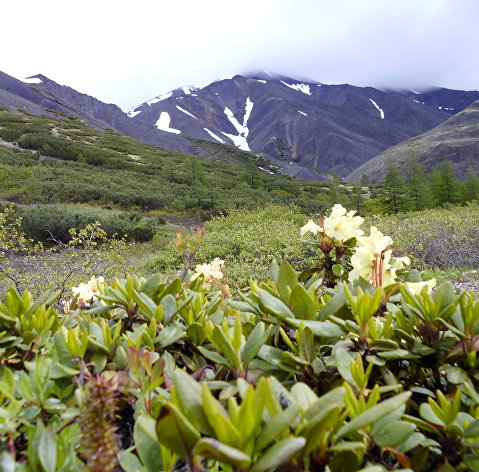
[{"x": 122, "y": 53}]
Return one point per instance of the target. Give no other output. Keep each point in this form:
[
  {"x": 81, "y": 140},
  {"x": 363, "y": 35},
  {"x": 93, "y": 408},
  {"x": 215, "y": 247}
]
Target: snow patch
[
  {"x": 263, "y": 82},
  {"x": 159, "y": 98},
  {"x": 133, "y": 113},
  {"x": 381, "y": 112},
  {"x": 243, "y": 131},
  {"x": 188, "y": 90},
  {"x": 32, "y": 80},
  {"x": 417, "y": 93},
  {"x": 266, "y": 170},
  {"x": 187, "y": 112},
  {"x": 299, "y": 87},
  {"x": 302, "y": 112},
  {"x": 213, "y": 135},
  {"x": 163, "y": 123}
]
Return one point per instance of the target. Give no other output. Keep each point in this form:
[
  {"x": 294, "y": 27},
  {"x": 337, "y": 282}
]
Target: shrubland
[{"x": 354, "y": 365}]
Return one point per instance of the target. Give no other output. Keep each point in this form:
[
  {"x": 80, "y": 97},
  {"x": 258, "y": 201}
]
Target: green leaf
[
  {"x": 276, "y": 426},
  {"x": 168, "y": 302},
  {"x": 212, "y": 448},
  {"x": 129, "y": 462},
  {"x": 173, "y": 289},
  {"x": 343, "y": 364},
  {"x": 472, "y": 462},
  {"x": 302, "y": 304},
  {"x": 338, "y": 270},
  {"x": 175, "y": 431},
  {"x": 189, "y": 395},
  {"x": 472, "y": 430},
  {"x": 254, "y": 342},
  {"x": 213, "y": 356},
  {"x": 274, "y": 305},
  {"x": 146, "y": 442},
  {"x": 287, "y": 279},
  {"x": 150, "y": 287},
  {"x": 324, "y": 329},
  {"x": 99, "y": 309},
  {"x": 47, "y": 451},
  {"x": 226, "y": 347},
  {"x": 279, "y": 454},
  {"x": 394, "y": 434},
  {"x": 332, "y": 306},
  {"x": 373, "y": 414}
]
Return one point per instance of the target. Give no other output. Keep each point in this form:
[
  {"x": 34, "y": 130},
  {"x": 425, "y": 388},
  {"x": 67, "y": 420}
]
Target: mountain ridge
[{"x": 306, "y": 128}]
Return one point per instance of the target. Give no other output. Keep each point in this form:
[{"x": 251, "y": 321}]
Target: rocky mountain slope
[
  {"x": 39, "y": 95},
  {"x": 330, "y": 128},
  {"x": 305, "y": 128},
  {"x": 456, "y": 140}
]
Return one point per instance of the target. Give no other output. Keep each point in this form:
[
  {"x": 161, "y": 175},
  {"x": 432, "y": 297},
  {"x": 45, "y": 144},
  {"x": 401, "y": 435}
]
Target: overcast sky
[{"x": 126, "y": 52}]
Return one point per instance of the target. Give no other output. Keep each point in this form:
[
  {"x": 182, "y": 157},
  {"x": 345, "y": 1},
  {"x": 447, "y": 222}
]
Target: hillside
[
  {"x": 53, "y": 160},
  {"x": 456, "y": 140},
  {"x": 303, "y": 124}
]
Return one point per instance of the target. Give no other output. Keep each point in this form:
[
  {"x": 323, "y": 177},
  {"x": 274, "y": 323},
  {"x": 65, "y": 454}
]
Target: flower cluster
[
  {"x": 341, "y": 225},
  {"x": 371, "y": 256},
  {"x": 373, "y": 259},
  {"x": 212, "y": 271},
  {"x": 89, "y": 290}
]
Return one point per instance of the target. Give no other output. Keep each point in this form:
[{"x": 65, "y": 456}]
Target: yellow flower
[
  {"x": 311, "y": 227},
  {"x": 342, "y": 225},
  {"x": 416, "y": 287},
  {"x": 88, "y": 291},
  {"x": 213, "y": 270},
  {"x": 372, "y": 259}
]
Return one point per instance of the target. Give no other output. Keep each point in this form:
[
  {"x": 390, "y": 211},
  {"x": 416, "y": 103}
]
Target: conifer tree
[
  {"x": 395, "y": 199},
  {"x": 250, "y": 174},
  {"x": 418, "y": 190},
  {"x": 445, "y": 186},
  {"x": 471, "y": 186}
]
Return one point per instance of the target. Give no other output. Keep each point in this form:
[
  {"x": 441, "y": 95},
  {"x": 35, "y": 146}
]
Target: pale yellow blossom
[
  {"x": 89, "y": 290},
  {"x": 416, "y": 287},
  {"x": 311, "y": 227},
  {"x": 342, "y": 225},
  {"x": 211, "y": 271},
  {"x": 373, "y": 260}
]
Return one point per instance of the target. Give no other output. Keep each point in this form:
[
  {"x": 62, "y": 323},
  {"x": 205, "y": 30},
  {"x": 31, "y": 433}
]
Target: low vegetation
[{"x": 352, "y": 365}]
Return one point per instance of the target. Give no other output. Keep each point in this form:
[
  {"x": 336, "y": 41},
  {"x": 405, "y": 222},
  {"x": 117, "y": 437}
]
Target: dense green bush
[{"x": 43, "y": 222}]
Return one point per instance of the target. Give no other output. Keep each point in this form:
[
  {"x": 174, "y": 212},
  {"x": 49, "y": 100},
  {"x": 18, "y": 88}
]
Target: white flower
[
  {"x": 342, "y": 225},
  {"x": 311, "y": 227},
  {"x": 372, "y": 259},
  {"x": 88, "y": 291},
  {"x": 416, "y": 287},
  {"x": 210, "y": 271}
]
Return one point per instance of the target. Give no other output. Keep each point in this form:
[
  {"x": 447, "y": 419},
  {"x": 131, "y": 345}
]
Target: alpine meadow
[{"x": 269, "y": 272}]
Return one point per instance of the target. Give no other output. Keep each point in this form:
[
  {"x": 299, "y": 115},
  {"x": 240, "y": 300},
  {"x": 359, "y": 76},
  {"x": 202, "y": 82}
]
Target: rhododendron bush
[{"x": 355, "y": 364}]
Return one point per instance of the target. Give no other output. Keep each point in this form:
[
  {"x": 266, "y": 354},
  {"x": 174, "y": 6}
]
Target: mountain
[
  {"x": 456, "y": 140},
  {"x": 450, "y": 101},
  {"x": 328, "y": 128},
  {"x": 304, "y": 128},
  {"x": 39, "y": 95}
]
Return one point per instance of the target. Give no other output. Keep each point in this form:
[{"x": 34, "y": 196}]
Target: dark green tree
[
  {"x": 337, "y": 193},
  {"x": 445, "y": 186},
  {"x": 418, "y": 190},
  {"x": 395, "y": 197},
  {"x": 250, "y": 174},
  {"x": 471, "y": 186}
]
